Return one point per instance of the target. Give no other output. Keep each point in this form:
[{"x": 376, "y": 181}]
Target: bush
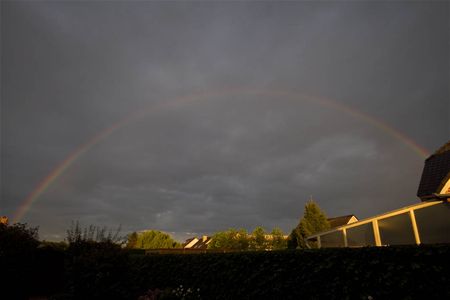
[
  {"x": 18, "y": 239},
  {"x": 18, "y": 255},
  {"x": 382, "y": 273},
  {"x": 97, "y": 270}
]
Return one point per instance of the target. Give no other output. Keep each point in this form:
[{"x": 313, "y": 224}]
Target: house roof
[
  {"x": 436, "y": 173},
  {"x": 188, "y": 241},
  {"x": 340, "y": 221},
  {"x": 200, "y": 243}
]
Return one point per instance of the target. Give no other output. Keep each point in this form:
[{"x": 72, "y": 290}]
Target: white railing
[{"x": 426, "y": 222}]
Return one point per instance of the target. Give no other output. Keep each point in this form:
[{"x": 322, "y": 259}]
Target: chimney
[{"x": 204, "y": 238}]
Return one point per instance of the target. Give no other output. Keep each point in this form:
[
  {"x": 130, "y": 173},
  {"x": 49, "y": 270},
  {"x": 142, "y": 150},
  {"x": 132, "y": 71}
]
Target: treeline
[
  {"x": 259, "y": 239},
  {"x": 313, "y": 220},
  {"x": 231, "y": 239}
]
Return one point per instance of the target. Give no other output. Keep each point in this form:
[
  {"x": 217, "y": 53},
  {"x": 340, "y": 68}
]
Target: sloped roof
[
  {"x": 436, "y": 173},
  {"x": 340, "y": 221},
  {"x": 200, "y": 243},
  {"x": 444, "y": 148},
  {"x": 188, "y": 241}
]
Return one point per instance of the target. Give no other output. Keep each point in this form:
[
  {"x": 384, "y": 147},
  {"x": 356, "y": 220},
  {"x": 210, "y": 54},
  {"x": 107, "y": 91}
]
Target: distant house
[
  {"x": 435, "y": 180},
  {"x": 197, "y": 243},
  {"x": 269, "y": 237},
  {"x": 342, "y": 220}
]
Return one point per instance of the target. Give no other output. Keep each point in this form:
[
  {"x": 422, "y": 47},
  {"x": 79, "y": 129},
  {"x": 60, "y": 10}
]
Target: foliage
[
  {"x": 230, "y": 239},
  {"x": 408, "y": 272},
  {"x": 18, "y": 239},
  {"x": 95, "y": 265},
  {"x": 58, "y": 246},
  {"x": 233, "y": 239},
  {"x": 105, "y": 271},
  {"x": 132, "y": 240},
  {"x": 277, "y": 242},
  {"x": 314, "y": 220},
  {"x": 171, "y": 294},
  {"x": 154, "y": 239},
  {"x": 186, "y": 293},
  {"x": 97, "y": 270},
  {"x": 18, "y": 254},
  {"x": 258, "y": 239},
  {"x": 77, "y": 234},
  {"x": 292, "y": 242}
]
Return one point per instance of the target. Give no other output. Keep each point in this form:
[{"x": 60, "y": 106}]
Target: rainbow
[{"x": 43, "y": 185}]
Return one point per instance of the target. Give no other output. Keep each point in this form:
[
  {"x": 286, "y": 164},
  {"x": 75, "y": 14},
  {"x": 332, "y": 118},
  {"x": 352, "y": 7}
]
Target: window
[
  {"x": 433, "y": 223},
  {"x": 396, "y": 230},
  {"x": 360, "y": 236}
]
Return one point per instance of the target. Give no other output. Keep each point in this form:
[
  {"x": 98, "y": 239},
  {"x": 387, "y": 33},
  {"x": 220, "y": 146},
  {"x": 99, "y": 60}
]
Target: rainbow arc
[{"x": 46, "y": 182}]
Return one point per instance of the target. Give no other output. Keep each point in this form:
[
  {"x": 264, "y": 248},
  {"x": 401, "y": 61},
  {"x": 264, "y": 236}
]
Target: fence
[{"x": 423, "y": 223}]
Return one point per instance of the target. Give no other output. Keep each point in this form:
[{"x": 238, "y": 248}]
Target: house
[
  {"x": 427, "y": 222},
  {"x": 269, "y": 237},
  {"x": 342, "y": 220},
  {"x": 197, "y": 243},
  {"x": 435, "y": 180}
]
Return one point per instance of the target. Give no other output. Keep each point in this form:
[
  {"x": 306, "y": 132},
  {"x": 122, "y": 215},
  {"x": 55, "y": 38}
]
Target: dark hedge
[
  {"x": 106, "y": 272},
  {"x": 381, "y": 273}
]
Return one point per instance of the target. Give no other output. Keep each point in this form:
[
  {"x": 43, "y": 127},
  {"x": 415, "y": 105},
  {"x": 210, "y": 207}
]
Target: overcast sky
[{"x": 231, "y": 159}]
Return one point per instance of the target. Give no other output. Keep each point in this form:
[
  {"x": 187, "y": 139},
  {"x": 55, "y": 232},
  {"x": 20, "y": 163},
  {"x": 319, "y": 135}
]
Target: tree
[
  {"x": 155, "y": 239},
  {"x": 18, "y": 239},
  {"x": 18, "y": 258},
  {"x": 230, "y": 239},
  {"x": 278, "y": 241},
  {"x": 314, "y": 220},
  {"x": 258, "y": 239},
  {"x": 76, "y": 234},
  {"x": 132, "y": 240}
]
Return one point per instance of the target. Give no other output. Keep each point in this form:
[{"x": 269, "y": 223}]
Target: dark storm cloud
[{"x": 69, "y": 70}]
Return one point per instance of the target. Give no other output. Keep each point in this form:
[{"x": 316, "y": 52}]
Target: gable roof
[
  {"x": 340, "y": 221},
  {"x": 188, "y": 242},
  {"x": 436, "y": 172},
  {"x": 197, "y": 243}
]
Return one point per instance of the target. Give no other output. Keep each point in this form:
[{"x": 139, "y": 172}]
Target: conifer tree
[{"x": 314, "y": 220}]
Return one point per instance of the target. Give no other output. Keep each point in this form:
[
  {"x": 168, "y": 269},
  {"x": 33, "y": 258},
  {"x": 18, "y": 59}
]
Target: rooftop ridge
[{"x": 442, "y": 149}]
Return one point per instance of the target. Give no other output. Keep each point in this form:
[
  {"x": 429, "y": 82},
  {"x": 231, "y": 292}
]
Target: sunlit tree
[
  {"x": 277, "y": 242},
  {"x": 314, "y": 220},
  {"x": 230, "y": 239},
  {"x": 155, "y": 239},
  {"x": 258, "y": 239}
]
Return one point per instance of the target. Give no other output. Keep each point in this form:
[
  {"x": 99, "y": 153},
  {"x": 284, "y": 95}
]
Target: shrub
[
  {"x": 97, "y": 270},
  {"x": 18, "y": 248}
]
